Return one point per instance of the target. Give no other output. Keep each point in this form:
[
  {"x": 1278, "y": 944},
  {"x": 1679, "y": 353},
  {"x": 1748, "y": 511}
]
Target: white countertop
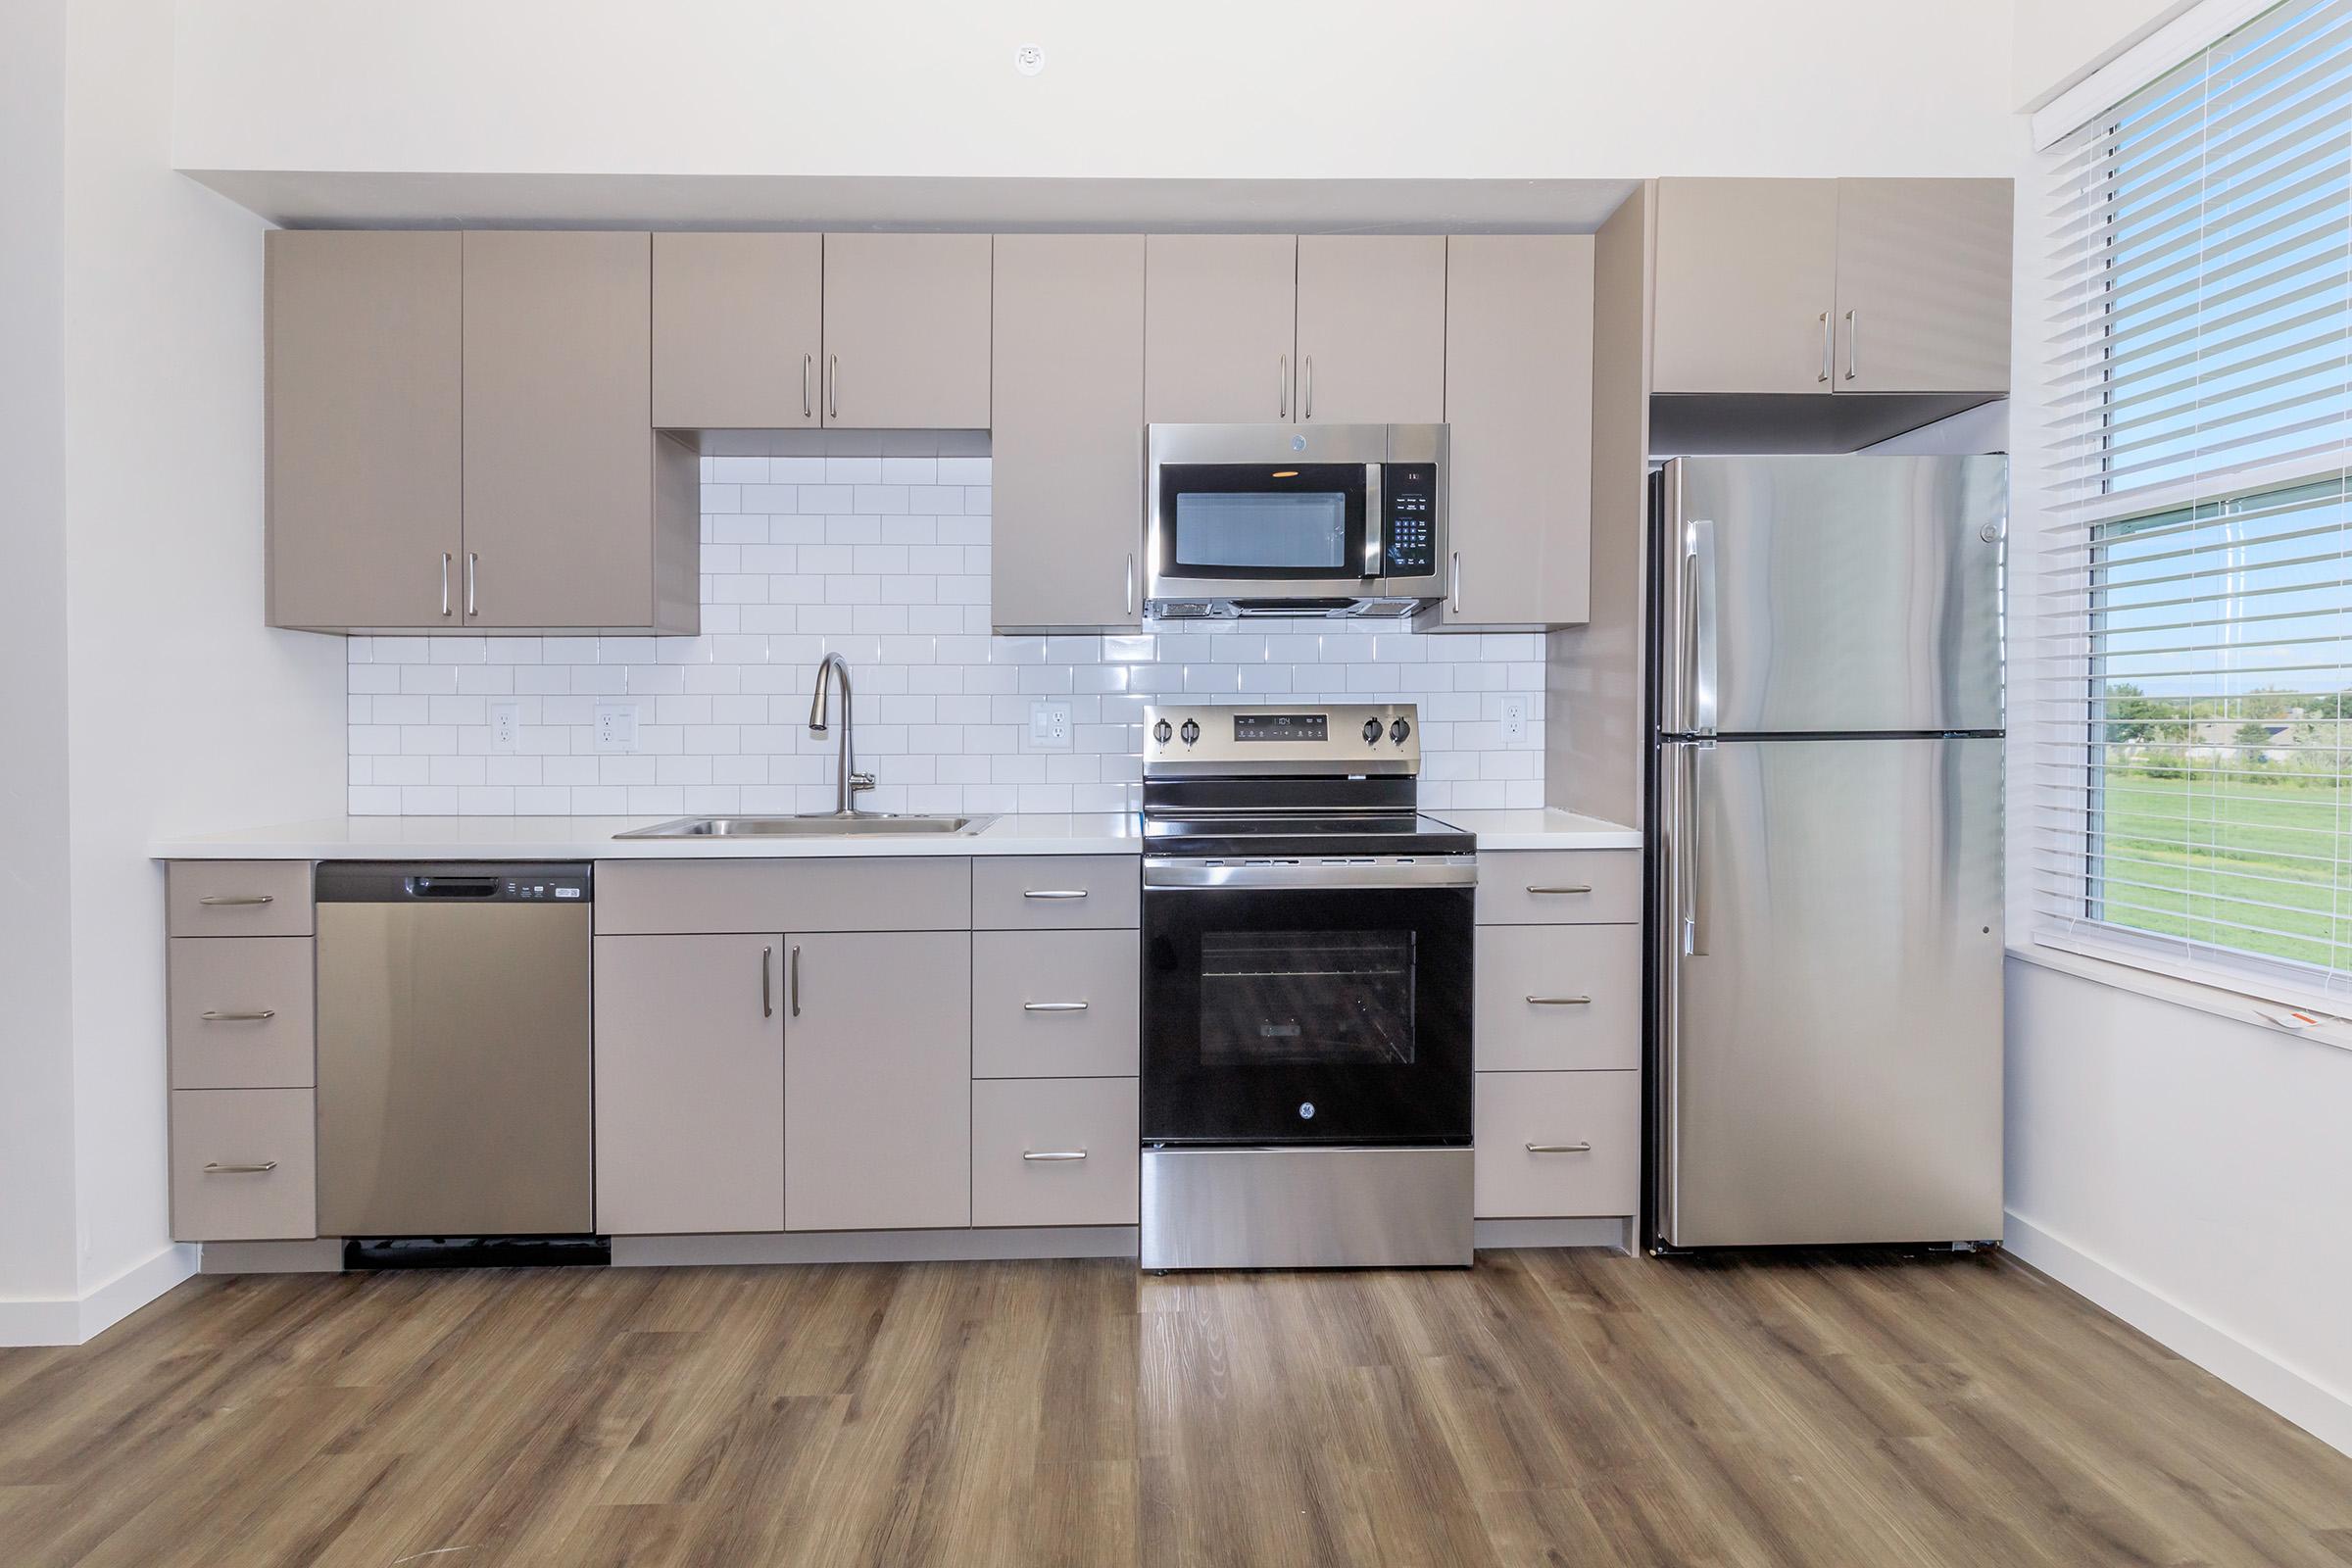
[
  {"x": 591, "y": 838},
  {"x": 1542, "y": 829}
]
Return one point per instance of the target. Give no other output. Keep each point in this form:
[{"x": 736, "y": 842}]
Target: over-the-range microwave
[{"x": 1295, "y": 520}]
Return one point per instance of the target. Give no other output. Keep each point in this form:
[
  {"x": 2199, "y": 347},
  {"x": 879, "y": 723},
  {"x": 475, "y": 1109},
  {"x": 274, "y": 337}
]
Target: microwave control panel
[{"x": 1409, "y": 493}]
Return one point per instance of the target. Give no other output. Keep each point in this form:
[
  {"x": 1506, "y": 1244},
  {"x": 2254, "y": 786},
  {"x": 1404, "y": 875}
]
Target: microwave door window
[
  {"x": 1227, "y": 531},
  {"x": 1306, "y": 998}
]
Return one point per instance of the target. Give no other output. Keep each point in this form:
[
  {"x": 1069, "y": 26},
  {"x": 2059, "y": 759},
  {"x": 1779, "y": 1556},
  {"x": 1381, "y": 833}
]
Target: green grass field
[{"x": 2183, "y": 852}]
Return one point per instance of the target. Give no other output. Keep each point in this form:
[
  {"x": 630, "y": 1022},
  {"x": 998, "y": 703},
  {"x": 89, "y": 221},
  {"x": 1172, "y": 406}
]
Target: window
[{"x": 2189, "y": 806}]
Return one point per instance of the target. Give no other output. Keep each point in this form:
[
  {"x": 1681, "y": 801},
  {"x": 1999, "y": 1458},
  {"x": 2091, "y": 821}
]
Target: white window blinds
[{"x": 2189, "y": 797}]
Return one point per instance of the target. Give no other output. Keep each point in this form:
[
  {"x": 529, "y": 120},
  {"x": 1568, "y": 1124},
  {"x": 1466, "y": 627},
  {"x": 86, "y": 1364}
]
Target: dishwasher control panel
[{"x": 454, "y": 882}]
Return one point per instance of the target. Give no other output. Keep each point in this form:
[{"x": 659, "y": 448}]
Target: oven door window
[
  {"x": 1251, "y": 521},
  {"x": 1289, "y": 999}
]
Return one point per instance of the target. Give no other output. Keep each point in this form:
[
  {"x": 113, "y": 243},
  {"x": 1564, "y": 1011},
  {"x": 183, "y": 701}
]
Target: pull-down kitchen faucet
[{"x": 851, "y": 781}]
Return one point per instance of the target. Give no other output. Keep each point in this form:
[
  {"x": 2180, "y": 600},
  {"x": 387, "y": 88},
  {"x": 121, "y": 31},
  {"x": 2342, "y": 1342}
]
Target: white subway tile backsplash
[{"x": 885, "y": 561}]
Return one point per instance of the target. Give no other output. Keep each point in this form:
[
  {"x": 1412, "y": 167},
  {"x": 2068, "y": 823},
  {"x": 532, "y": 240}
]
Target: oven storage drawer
[
  {"x": 1560, "y": 887},
  {"x": 238, "y": 898},
  {"x": 242, "y": 1012},
  {"x": 244, "y": 1166},
  {"x": 1055, "y": 892},
  {"x": 1555, "y": 997},
  {"x": 1053, "y": 1152},
  {"x": 1586, "y": 1133},
  {"x": 1054, "y": 1004}
]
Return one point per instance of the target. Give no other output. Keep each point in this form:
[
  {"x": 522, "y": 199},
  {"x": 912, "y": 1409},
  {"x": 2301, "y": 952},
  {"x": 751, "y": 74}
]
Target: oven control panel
[
  {"x": 1409, "y": 494},
  {"x": 1334, "y": 740}
]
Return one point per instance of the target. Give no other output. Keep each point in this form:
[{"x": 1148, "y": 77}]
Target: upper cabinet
[
  {"x": 906, "y": 329},
  {"x": 366, "y": 486},
  {"x": 738, "y": 331},
  {"x": 1220, "y": 328},
  {"x": 1372, "y": 329},
  {"x": 1067, "y": 438},
  {"x": 1818, "y": 286}
]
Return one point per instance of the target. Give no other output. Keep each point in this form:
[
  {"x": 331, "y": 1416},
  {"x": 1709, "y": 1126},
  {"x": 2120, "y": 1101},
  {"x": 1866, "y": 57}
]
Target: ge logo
[
  {"x": 1298, "y": 443},
  {"x": 1306, "y": 1113}
]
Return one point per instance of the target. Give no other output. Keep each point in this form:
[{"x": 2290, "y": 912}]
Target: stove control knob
[
  {"x": 1371, "y": 732},
  {"x": 1160, "y": 732},
  {"x": 1398, "y": 730},
  {"x": 1191, "y": 732}
]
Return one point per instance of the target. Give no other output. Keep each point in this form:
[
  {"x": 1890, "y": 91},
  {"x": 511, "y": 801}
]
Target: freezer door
[
  {"x": 1830, "y": 1024},
  {"x": 1831, "y": 594}
]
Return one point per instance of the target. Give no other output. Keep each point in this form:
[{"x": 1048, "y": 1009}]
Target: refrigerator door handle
[
  {"x": 1699, "y": 606},
  {"x": 1687, "y": 852}
]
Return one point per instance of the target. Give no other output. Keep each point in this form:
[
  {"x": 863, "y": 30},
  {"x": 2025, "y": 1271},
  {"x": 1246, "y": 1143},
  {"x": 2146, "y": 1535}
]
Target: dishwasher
[{"x": 456, "y": 1092}]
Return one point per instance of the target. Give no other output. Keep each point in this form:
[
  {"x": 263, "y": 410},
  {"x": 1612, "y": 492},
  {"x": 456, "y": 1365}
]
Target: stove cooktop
[{"x": 1305, "y": 835}]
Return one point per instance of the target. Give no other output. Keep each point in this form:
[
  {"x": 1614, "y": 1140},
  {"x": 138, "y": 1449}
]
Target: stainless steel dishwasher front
[{"x": 455, "y": 1066}]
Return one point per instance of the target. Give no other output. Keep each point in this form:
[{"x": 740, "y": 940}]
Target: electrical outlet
[
  {"x": 1049, "y": 726},
  {"x": 616, "y": 726},
  {"x": 505, "y": 726},
  {"x": 1514, "y": 721}
]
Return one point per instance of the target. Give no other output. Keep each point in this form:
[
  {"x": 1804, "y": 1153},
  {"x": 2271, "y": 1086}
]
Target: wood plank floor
[{"x": 1571, "y": 1407}]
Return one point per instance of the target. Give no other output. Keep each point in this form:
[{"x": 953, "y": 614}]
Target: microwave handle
[{"x": 1376, "y": 520}]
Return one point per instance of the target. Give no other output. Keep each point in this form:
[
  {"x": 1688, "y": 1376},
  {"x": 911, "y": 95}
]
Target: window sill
[{"x": 2217, "y": 1000}]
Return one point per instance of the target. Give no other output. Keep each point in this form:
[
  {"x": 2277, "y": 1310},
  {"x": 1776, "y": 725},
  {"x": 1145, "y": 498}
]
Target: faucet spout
[{"x": 850, "y": 779}]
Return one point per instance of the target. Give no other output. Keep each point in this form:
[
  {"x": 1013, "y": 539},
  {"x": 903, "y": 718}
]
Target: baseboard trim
[
  {"x": 79, "y": 1319},
  {"x": 317, "y": 1256},
  {"x": 876, "y": 1246},
  {"x": 1601, "y": 1232},
  {"x": 2309, "y": 1403}
]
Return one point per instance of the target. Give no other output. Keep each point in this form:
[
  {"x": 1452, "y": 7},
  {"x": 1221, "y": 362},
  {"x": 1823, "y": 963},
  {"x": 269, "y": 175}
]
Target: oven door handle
[{"x": 1436, "y": 871}]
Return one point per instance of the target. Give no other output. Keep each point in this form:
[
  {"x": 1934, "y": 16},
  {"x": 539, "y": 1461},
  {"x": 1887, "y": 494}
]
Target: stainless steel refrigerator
[{"x": 1826, "y": 850}]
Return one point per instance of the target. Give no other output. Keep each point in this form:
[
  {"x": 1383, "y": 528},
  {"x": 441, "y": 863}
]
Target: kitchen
[{"x": 1393, "y": 729}]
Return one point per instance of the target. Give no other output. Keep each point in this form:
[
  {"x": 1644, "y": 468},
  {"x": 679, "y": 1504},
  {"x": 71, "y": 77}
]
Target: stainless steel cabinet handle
[
  {"x": 1826, "y": 353},
  {"x": 1054, "y": 893},
  {"x": 1053, "y": 1007},
  {"x": 1573, "y": 887},
  {"x": 209, "y": 1016},
  {"x": 1853, "y": 344},
  {"x": 1307, "y": 387},
  {"x": 833, "y": 386},
  {"x": 767, "y": 982},
  {"x": 238, "y": 898},
  {"x": 1129, "y": 600},
  {"x": 1282, "y": 389},
  {"x": 808, "y": 367},
  {"x": 1559, "y": 1149},
  {"x": 445, "y": 582},
  {"x": 213, "y": 1168},
  {"x": 1454, "y": 591},
  {"x": 1054, "y": 1153},
  {"x": 472, "y": 564},
  {"x": 1559, "y": 1002},
  {"x": 793, "y": 980}
]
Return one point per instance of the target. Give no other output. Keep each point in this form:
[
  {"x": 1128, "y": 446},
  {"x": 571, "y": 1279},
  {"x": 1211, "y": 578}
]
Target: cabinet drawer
[
  {"x": 215, "y": 1129},
  {"x": 238, "y": 898},
  {"x": 218, "y": 988},
  {"x": 1055, "y": 892},
  {"x": 1018, "y": 1120},
  {"x": 1559, "y": 997},
  {"x": 1054, "y": 1004},
  {"x": 1560, "y": 887},
  {"x": 690, "y": 898},
  {"x": 1556, "y": 1112}
]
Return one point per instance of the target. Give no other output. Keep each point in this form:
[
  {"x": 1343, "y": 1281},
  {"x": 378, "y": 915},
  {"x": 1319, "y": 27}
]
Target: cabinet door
[
  {"x": 689, "y": 1084},
  {"x": 737, "y": 324},
  {"x": 1372, "y": 328},
  {"x": 1923, "y": 286},
  {"x": 366, "y": 486},
  {"x": 1220, "y": 329},
  {"x": 877, "y": 1081},
  {"x": 1067, "y": 433},
  {"x": 559, "y": 430},
  {"x": 907, "y": 331},
  {"x": 1519, "y": 398},
  {"x": 1746, "y": 278}
]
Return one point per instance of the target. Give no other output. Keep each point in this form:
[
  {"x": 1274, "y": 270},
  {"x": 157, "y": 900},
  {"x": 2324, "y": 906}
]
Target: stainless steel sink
[{"x": 861, "y": 824}]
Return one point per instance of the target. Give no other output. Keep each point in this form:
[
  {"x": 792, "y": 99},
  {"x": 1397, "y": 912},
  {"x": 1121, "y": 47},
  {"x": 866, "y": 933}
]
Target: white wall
[
  {"x": 1214, "y": 90},
  {"x": 2059, "y": 42}
]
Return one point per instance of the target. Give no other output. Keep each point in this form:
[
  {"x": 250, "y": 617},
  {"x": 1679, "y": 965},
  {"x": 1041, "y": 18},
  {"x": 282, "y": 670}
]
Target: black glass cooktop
[{"x": 1318, "y": 834}]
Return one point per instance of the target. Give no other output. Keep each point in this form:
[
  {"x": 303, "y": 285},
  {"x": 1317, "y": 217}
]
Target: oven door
[
  {"x": 1331, "y": 1006},
  {"x": 1255, "y": 528}
]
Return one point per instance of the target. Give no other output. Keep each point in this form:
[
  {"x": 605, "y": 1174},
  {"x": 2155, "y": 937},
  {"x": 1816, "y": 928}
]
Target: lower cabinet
[
  {"x": 877, "y": 1081},
  {"x": 1558, "y": 1144},
  {"x": 689, "y": 1084},
  {"x": 244, "y": 1164},
  {"x": 1054, "y": 1151}
]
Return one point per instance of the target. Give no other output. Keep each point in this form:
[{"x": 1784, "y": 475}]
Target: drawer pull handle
[
  {"x": 1054, "y": 1153},
  {"x": 1559, "y": 1149},
  {"x": 213, "y": 1168},
  {"x": 1053, "y": 1007},
  {"x": 1581, "y": 887},
  {"x": 1559, "y": 1002},
  {"x": 210, "y": 1015},
  {"x": 1054, "y": 893},
  {"x": 219, "y": 899}
]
